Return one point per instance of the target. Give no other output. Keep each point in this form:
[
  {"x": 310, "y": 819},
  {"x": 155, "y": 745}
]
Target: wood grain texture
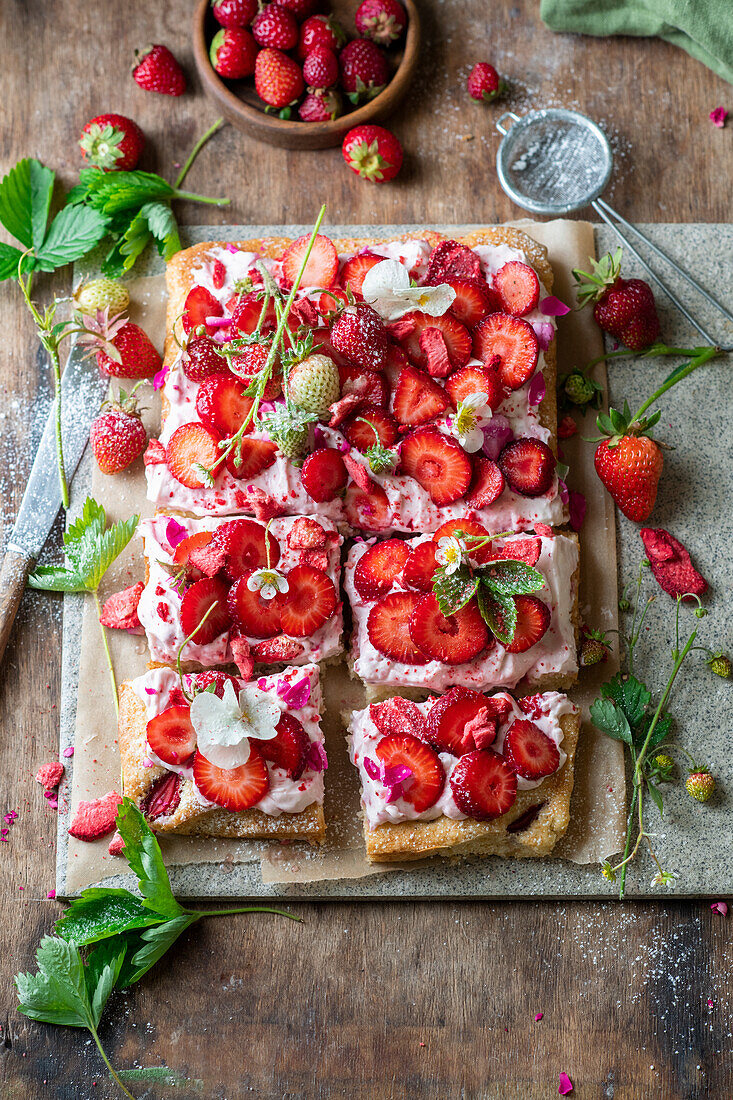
[{"x": 339, "y": 1006}]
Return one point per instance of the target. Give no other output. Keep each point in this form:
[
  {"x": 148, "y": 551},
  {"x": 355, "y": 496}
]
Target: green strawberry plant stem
[
  {"x": 192, "y": 157},
  {"x": 704, "y": 355}
]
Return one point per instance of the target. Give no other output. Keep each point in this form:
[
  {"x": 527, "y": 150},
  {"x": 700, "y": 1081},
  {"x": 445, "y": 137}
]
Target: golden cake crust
[
  {"x": 410, "y": 840},
  {"x": 180, "y": 278},
  {"x": 189, "y": 818}
]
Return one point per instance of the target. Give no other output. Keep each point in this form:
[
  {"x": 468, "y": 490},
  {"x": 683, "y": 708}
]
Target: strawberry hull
[
  {"x": 551, "y": 662},
  {"x": 160, "y": 604}
]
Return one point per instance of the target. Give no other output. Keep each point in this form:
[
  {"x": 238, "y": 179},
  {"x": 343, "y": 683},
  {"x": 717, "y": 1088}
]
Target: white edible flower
[
  {"x": 472, "y": 413},
  {"x": 450, "y": 553},
  {"x": 387, "y": 288},
  {"x": 268, "y": 582},
  {"x": 225, "y": 726},
  {"x": 665, "y": 878}
]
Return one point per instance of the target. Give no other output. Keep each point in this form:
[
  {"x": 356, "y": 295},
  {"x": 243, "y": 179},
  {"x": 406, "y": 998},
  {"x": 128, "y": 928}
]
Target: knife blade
[{"x": 83, "y": 388}]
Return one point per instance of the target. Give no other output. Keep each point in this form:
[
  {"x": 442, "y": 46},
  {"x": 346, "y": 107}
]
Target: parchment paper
[{"x": 598, "y": 806}]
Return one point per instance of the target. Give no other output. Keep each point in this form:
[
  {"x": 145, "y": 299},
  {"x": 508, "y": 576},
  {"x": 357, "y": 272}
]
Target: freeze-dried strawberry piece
[
  {"x": 262, "y": 504},
  {"x": 432, "y": 343},
  {"x": 277, "y": 649},
  {"x": 209, "y": 559},
  {"x": 243, "y": 658},
  {"x": 343, "y": 408},
  {"x": 358, "y": 473},
  {"x": 95, "y": 819},
  {"x": 306, "y": 534},
  {"x": 49, "y": 776},
  {"x": 399, "y": 716},
  {"x": 154, "y": 453},
  {"x": 317, "y": 558},
  {"x": 120, "y": 610},
  {"x": 451, "y": 260},
  {"x": 401, "y": 328},
  {"x": 526, "y": 550},
  {"x": 671, "y": 565},
  {"x": 116, "y": 845}
]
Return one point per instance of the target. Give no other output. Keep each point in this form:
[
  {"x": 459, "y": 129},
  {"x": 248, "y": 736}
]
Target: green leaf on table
[
  {"x": 112, "y": 192},
  {"x": 90, "y": 550},
  {"x": 656, "y": 794},
  {"x": 73, "y": 232},
  {"x": 499, "y": 612},
  {"x": 133, "y": 241},
  {"x": 15, "y": 202},
  {"x": 155, "y": 942},
  {"x": 630, "y": 695},
  {"x": 511, "y": 578},
  {"x": 144, "y": 856},
  {"x": 9, "y": 260},
  {"x": 100, "y": 912},
  {"x": 57, "y": 994},
  {"x": 162, "y": 1076},
  {"x": 164, "y": 227},
  {"x": 41, "y": 192},
  {"x": 453, "y": 590},
  {"x": 611, "y": 720},
  {"x": 101, "y": 973}
]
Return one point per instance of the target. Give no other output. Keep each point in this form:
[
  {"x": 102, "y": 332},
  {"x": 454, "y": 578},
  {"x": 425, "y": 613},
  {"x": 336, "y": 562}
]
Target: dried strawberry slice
[
  {"x": 163, "y": 798},
  {"x": 399, "y": 716},
  {"x": 452, "y": 260}
]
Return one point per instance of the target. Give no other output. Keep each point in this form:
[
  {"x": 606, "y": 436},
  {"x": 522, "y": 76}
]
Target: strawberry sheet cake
[
  {"x": 401, "y": 638},
  {"x": 395, "y": 437},
  {"x": 464, "y": 773},
  {"x": 271, "y": 592},
  {"x": 215, "y": 755}
]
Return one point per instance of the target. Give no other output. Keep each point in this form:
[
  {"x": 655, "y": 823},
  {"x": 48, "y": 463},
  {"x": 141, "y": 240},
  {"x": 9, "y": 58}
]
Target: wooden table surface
[{"x": 435, "y": 1001}]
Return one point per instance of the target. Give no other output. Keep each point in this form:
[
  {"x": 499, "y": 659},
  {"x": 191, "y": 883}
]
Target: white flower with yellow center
[
  {"x": 450, "y": 553},
  {"x": 224, "y": 727},
  {"x": 268, "y": 582},
  {"x": 471, "y": 415},
  {"x": 387, "y": 288}
]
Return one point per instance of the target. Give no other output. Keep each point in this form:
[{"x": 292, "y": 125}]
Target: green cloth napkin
[{"x": 702, "y": 27}]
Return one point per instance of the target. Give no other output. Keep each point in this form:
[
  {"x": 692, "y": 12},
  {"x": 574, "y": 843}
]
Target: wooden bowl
[{"x": 240, "y": 104}]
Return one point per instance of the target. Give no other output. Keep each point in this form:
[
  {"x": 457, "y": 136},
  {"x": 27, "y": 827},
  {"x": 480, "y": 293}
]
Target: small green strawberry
[
  {"x": 314, "y": 384},
  {"x": 288, "y": 429},
  {"x": 101, "y": 293},
  {"x": 700, "y": 785},
  {"x": 594, "y": 648},
  {"x": 578, "y": 389},
  {"x": 721, "y": 665}
]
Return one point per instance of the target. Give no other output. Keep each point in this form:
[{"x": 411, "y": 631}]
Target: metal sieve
[{"x": 555, "y": 161}]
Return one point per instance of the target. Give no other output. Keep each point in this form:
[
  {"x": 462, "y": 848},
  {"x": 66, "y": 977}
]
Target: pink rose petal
[
  {"x": 231, "y": 247},
  {"x": 538, "y": 1016},
  {"x": 720, "y": 907},
  {"x": 545, "y": 333},
  {"x": 563, "y": 490},
  {"x": 373, "y": 770},
  {"x": 160, "y": 377},
  {"x": 263, "y": 685},
  {"x": 566, "y": 1085},
  {"x": 68, "y": 752},
  {"x": 316, "y": 759},
  {"x": 718, "y": 116},
  {"x": 175, "y": 533},
  {"x": 553, "y": 307},
  {"x": 151, "y": 691},
  {"x": 218, "y": 322},
  {"x": 577, "y": 506},
  {"x": 51, "y": 894},
  {"x": 219, "y": 337},
  {"x": 497, "y": 433},
  {"x": 318, "y": 436},
  {"x": 295, "y": 695},
  {"x": 537, "y": 388}
]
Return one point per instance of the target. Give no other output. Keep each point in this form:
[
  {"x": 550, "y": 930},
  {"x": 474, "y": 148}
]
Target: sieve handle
[{"x": 499, "y": 122}]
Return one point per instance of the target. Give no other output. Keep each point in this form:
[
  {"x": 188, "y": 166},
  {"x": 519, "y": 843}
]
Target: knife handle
[{"x": 13, "y": 575}]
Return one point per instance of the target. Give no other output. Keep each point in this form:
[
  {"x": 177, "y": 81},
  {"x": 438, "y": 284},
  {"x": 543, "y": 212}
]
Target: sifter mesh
[{"x": 553, "y": 161}]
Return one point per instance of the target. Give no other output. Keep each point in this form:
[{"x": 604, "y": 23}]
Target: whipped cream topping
[
  {"x": 410, "y": 505},
  {"x": 555, "y": 653},
  {"x": 159, "y": 609},
  {"x": 285, "y": 795},
  {"x": 363, "y": 738}
]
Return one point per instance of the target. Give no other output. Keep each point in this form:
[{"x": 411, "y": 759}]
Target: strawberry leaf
[
  {"x": 15, "y": 203},
  {"x": 112, "y": 192},
  {"x": 101, "y": 973},
  {"x": 499, "y": 612},
  {"x": 155, "y": 942},
  {"x": 453, "y": 590},
  {"x": 611, "y": 720},
  {"x": 90, "y": 550},
  {"x": 41, "y": 191},
  {"x": 100, "y": 912},
  {"x": 511, "y": 578},
  {"x": 143, "y": 854},
  {"x": 630, "y": 695},
  {"x": 73, "y": 232},
  {"x": 9, "y": 260},
  {"x": 58, "y": 993},
  {"x": 162, "y": 224}
]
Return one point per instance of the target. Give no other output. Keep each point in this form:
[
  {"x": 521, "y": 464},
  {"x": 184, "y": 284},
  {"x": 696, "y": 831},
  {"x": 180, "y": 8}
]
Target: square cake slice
[
  {"x": 400, "y": 637},
  {"x": 285, "y": 611},
  {"x": 411, "y": 383},
  {"x": 169, "y": 739},
  {"x": 465, "y": 774}
]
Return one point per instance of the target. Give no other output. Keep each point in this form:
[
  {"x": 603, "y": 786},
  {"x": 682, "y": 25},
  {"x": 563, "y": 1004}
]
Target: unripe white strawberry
[
  {"x": 314, "y": 384},
  {"x": 102, "y": 293}
]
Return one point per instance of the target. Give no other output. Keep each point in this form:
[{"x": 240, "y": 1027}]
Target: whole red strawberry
[
  {"x": 156, "y": 70},
  {"x": 234, "y": 13},
  {"x": 117, "y": 435},
  {"x": 364, "y": 71},
  {"x": 358, "y": 333},
  {"x": 233, "y": 53},
  {"x": 301, "y": 9},
  {"x": 484, "y": 83},
  {"x": 321, "y": 68},
  {"x": 630, "y": 469},
  {"x": 321, "y": 106},
  {"x": 625, "y": 308},
  {"x": 278, "y": 79},
  {"x": 320, "y": 30},
  {"x": 275, "y": 26},
  {"x": 123, "y": 350},
  {"x": 373, "y": 153},
  {"x": 112, "y": 142},
  {"x": 381, "y": 20}
]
